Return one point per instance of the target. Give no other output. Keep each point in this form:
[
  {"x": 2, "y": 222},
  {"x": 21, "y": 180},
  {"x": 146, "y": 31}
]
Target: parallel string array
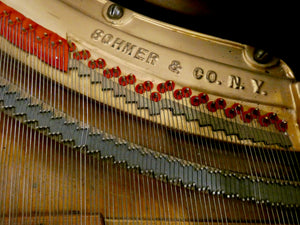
[{"x": 47, "y": 180}]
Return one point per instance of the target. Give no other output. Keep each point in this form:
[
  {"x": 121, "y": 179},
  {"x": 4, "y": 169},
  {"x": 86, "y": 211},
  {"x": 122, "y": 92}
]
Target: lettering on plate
[
  {"x": 211, "y": 76},
  {"x": 257, "y": 85},
  {"x": 198, "y": 73},
  {"x": 235, "y": 82},
  {"x": 175, "y": 66},
  {"x": 125, "y": 47},
  {"x": 207, "y": 75}
]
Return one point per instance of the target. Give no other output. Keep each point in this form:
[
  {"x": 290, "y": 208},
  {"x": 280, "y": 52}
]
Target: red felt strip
[{"x": 34, "y": 38}]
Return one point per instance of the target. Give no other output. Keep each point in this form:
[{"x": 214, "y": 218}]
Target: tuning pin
[
  {"x": 155, "y": 96},
  {"x": 186, "y": 92},
  {"x": 101, "y": 63},
  {"x": 139, "y": 88},
  {"x": 123, "y": 81},
  {"x": 131, "y": 79},
  {"x": 116, "y": 71},
  {"x": 195, "y": 100},
  {"x": 92, "y": 64},
  {"x": 230, "y": 113},
  {"x": 282, "y": 125},
  {"x": 264, "y": 120},
  {"x": 273, "y": 117},
  {"x": 178, "y": 94},
  {"x": 254, "y": 112},
  {"x": 72, "y": 46},
  {"x": 238, "y": 108},
  {"x": 161, "y": 87},
  {"x": 170, "y": 85},
  {"x": 107, "y": 73},
  {"x": 211, "y": 106},
  {"x": 85, "y": 54},
  {"x": 203, "y": 98},
  {"x": 148, "y": 85},
  {"x": 246, "y": 117},
  {"x": 220, "y": 103}
]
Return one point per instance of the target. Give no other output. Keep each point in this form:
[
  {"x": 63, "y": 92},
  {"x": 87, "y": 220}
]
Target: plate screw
[
  {"x": 261, "y": 56},
  {"x": 115, "y": 11}
]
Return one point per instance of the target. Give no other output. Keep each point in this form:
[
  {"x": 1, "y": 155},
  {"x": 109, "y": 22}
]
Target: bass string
[
  {"x": 2, "y": 158},
  {"x": 39, "y": 147},
  {"x": 118, "y": 136},
  {"x": 270, "y": 172},
  {"x": 133, "y": 178},
  {"x": 195, "y": 149},
  {"x": 32, "y": 146},
  {"x": 275, "y": 211},
  {"x": 228, "y": 140},
  {"x": 106, "y": 176},
  {"x": 115, "y": 214},
  {"x": 92, "y": 158},
  {"x": 6, "y": 149},
  {"x": 111, "y": 132},
  {"x": 98, "y": 160},
  {"x": 137, "y": 130},
  {"x": 21, "y": 167},
  {"x": 118, "y": 170},
  {"x": 54, "y": 182},
  {"x": 264, "y": 172},
  {"x": 13, "y": 147},
  {"x": 52, "y": 149},
  {"x": 85, "y": 130},
  {"x": 44, "y": 94},
  {"x": 41, "y": 178},
  {"x": 158, "y": 146},
  {"x": 7, "y": 75},
  {"x": 285, "y": 176},
  {"x": 20, "y": 133},
  {"x": 12, "y": 80},
  {"x": 251, "y": 169},
  {"x": 180, "y": 153},
  {"x": 91, "y": 162},
  {"x": 62, "y": 148},
  {"x": 6, "y": 56},
  {"x": 170, "y": 145},
  {"x": 219, "y": 151},
  {"x": 71, "y": 111},
  {"x": 77, "y": 113},
  {"x": 295, "y": 214},
  {"x": 185, "y": 147},
  {"x": 294, "y": 176},
  {"x": 162, "y": 185},
  {"x": 204, "y": 161},
  {"x": 15, "y": 176},
  {"x": 125, "y": 136},
  {"x": 149, "y": 192},
  {"x": 106, "y": 181},
  {"x": 212, "y": 161},
  {"x": 166, "y": 145}
]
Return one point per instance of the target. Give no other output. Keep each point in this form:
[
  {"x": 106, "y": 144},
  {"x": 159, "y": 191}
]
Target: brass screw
[
  {"x": 261, "y": 56},
  {"x": 115, "y": 11}
]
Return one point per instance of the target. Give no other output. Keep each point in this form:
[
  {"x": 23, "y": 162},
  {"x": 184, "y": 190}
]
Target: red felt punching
[{"x": 33, "y": 38}]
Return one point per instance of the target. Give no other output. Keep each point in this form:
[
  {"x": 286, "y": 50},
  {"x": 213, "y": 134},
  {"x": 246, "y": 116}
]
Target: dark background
[{"x": 269, "y": 25}]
